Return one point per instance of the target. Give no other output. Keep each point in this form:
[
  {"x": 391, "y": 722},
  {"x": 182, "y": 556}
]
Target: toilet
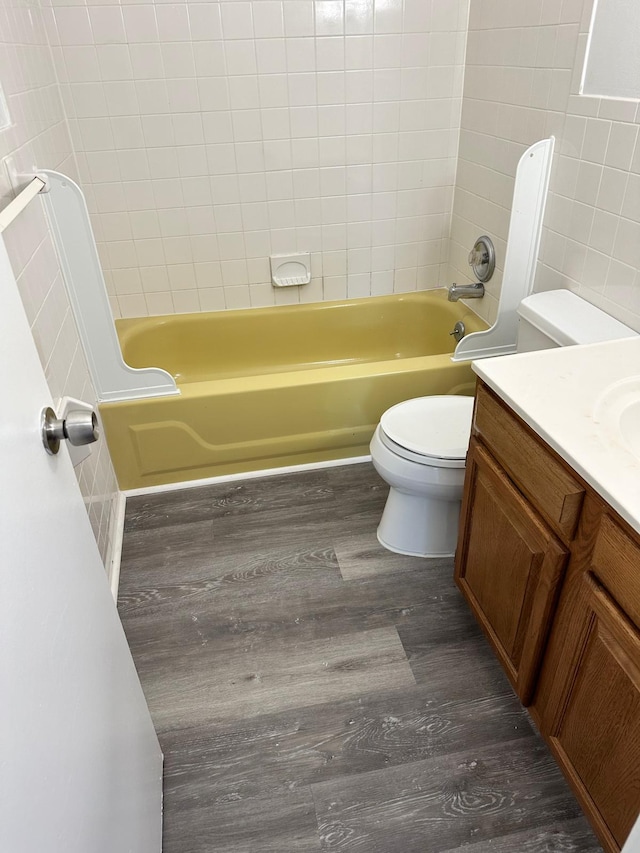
[
  {"x": 420, "y": 445},
  {"x": 419, "y": 449}
]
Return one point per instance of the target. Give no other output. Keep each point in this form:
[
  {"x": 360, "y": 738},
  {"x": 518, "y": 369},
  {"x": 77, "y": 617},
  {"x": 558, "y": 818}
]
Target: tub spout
[{"x": 465, "y": 291}]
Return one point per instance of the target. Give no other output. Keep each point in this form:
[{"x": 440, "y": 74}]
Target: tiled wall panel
[
  {"x": 210, "y": 135},
  {"x": 523, "y": 68},
  {"x": 39, "y": 135}
]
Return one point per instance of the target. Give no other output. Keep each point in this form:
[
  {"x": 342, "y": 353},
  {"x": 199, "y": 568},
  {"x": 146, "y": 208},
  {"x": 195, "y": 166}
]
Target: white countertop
[{"x": 559, "y": 394}]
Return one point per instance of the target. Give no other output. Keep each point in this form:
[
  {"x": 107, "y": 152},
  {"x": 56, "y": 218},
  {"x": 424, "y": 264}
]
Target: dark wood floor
[{"x": 313, "y": 692}]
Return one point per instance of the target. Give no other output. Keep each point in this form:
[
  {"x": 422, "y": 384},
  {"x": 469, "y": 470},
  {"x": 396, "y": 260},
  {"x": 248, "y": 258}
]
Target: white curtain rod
[{"x": 15, "y": 207}]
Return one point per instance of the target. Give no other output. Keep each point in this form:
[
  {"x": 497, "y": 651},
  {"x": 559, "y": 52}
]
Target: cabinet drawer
[
  {"x": 544, "y": 480},
  {"x": 616, "y": 564}
]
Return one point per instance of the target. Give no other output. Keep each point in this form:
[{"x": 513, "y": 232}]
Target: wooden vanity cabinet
[
  {"x": 588, "y": 699},
  {"x": 553, "y": 577},
  {"x": 519, "y": 511},
  {"x": 509, "y": 565}
]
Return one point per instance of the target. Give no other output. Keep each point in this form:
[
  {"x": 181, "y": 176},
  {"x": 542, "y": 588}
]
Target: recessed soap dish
[{"x": 290, "y": 270}]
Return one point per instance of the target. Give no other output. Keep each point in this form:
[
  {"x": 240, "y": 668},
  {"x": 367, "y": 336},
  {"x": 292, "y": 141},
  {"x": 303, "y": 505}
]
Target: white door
[
  {"x": 80, "y": 763},
  {"x": 632, "y": 844}
]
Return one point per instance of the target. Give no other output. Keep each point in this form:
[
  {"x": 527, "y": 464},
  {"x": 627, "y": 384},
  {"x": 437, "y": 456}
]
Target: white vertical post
[
  {"x": 523, "y": 244},
  {"x": 73, "y": 236}
]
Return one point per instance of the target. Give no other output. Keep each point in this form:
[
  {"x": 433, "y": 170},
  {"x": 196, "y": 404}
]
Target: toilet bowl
[
  {"x": 419, "y": 449},
  {"x": 420, "y": 445}
]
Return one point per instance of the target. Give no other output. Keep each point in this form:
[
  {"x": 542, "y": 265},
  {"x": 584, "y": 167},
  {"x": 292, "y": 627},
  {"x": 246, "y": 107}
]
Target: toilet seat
[
  {"x": 429, "y": 430},
  {"x": 420, "y": 458}
]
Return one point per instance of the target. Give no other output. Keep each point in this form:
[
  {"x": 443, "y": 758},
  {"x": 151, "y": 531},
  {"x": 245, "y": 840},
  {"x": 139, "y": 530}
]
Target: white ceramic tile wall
[
  {"x": 39, "y": 135},
  {"x": 523, "y": 66},
  {"x": 210, "y": 135}
]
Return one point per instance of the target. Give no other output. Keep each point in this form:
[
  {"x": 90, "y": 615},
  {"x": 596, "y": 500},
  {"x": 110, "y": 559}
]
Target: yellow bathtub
[{"x": 270, "y": 387}]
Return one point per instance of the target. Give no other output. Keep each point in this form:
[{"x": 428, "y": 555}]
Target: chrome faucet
[{"x": 465, "y": 291}]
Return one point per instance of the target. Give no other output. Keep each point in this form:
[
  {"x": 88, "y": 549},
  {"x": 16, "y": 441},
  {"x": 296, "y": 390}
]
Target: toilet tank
[{"x": 559, "y": 318}]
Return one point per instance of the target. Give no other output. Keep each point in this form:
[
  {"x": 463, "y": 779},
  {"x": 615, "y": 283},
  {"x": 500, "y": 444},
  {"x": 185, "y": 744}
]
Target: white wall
[
  {"x": 633, "y": 841},
  {"x": 39, "y": 135},
  {"x": 523, "y": 70},
  {"x": 210, "y": 135}
]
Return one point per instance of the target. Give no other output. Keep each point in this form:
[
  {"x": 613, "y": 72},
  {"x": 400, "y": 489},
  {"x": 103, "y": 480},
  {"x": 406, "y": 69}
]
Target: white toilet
[{"x": 420, "y": 445}]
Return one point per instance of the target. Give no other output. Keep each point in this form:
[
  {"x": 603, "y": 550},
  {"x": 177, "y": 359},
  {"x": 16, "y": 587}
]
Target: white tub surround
[
  {"x": 523, "y": 72},
  {"x": 73, "y": 236},
  {"x": 212, "y": 135},
  {"x": 523, "y": 243}
]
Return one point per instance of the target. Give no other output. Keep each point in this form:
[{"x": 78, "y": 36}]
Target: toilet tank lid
[{"x": 567, "y": 319}]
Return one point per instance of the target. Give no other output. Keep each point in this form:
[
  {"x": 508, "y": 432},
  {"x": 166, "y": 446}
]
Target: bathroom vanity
[{"x": 548, "y": 559}]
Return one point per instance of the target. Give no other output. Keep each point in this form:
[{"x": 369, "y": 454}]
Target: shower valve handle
[{"x": 477, "y": 257}]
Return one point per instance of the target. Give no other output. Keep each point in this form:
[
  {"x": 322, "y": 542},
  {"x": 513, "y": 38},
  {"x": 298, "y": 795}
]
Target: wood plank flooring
[{"x": 313, "y": 692}]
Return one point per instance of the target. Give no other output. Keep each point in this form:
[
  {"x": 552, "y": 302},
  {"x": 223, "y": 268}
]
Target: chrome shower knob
[{"x": 482, "y": 258}]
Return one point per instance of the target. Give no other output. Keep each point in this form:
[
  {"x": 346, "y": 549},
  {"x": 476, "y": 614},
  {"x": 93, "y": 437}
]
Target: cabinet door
[
  {"x": 508, "y": 567},
  {"x": 596, "y": 731}
]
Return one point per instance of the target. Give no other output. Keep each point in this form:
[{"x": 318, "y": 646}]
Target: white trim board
[
  {"x": 245, "y": 475},
  {"x": 116, "y": 535}
]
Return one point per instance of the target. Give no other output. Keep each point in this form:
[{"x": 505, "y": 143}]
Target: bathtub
[{"x": 270, "y": 387}]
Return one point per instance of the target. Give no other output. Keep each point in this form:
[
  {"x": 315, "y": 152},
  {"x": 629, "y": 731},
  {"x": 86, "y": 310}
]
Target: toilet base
[{"x": 419, "y": 526}]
